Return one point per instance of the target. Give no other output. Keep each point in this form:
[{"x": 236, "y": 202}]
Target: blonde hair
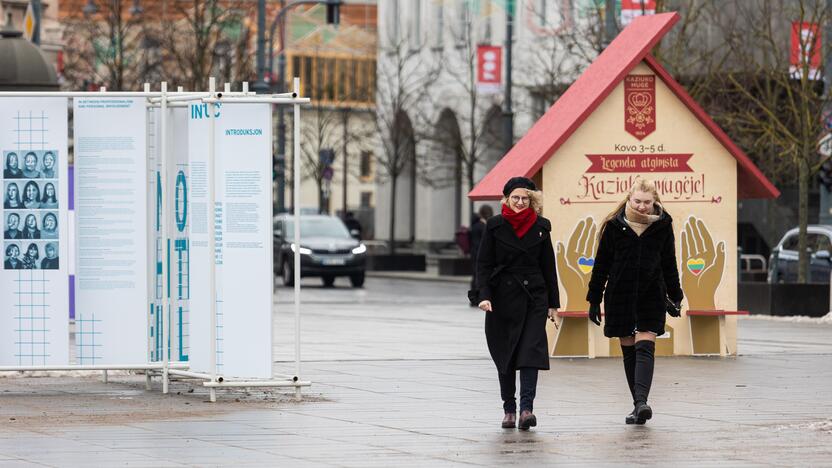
[
  {"x": 535, "y": 200},
  {"x": 641, "y": 185}
]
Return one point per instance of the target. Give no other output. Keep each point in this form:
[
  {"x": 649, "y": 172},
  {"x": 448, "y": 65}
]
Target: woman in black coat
[
  {"x": 517, "y": 290},
  {"x": 635, "y": 273}
]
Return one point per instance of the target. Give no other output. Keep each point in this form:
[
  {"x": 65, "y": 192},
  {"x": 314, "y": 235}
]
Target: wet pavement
[{"x": 401, "y": 377}]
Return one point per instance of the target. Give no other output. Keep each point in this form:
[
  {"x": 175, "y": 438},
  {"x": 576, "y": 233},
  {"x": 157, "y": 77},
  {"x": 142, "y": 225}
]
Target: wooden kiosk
[{"x": 623, "y": 119}]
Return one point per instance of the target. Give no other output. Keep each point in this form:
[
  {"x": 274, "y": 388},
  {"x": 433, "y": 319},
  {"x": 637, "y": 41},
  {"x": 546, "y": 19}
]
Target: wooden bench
[
  {"x": 576, "y": 337},
  {"x": 708, "y": 331}
]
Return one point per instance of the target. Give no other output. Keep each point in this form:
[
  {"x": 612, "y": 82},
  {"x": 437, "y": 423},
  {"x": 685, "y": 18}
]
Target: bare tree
[
  {"x": 104, "y": 48},
  {"x": 781, "y": 109},
  {"x": 203, "y": 38},
  {"x": 403, "y": 77}
]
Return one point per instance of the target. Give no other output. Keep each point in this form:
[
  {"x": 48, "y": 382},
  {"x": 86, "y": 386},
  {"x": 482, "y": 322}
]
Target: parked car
[
  {"x": 782, "y": 264},
  {"x": 327, "y": 250}
]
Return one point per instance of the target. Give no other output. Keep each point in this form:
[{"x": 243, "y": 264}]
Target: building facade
[{"x": 454, "y": 126}]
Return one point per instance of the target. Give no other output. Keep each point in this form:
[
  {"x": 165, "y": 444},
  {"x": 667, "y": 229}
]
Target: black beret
[{"x": 518, "y": 182}]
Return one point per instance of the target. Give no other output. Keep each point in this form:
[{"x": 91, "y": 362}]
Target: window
[
  {"x": 790, "y": 243},
  {"x": 335, "y": 79},
  {"x": 366, "y": 164},
  {"x": 416, "y": 22},
  {"x": 485, "y": 20},
  {"x": 393, "y": 25},
  {"x": 541, "y": 12},
  {"x": 439, "y": 20},
  {"x": 366, "y": 199},
  {"x": 463, "y": 18}
]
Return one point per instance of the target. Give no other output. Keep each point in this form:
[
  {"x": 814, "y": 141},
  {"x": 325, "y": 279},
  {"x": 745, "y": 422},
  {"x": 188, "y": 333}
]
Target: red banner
[
  {"x": 640, "y": 105},
  {"x": 805, "y": 50},
  {"x": 639, "y": 163},
  {"x": 489, "y": 68}
]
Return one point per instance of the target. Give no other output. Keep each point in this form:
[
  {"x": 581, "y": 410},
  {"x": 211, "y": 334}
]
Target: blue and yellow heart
[{"x": 586, "y": 264}]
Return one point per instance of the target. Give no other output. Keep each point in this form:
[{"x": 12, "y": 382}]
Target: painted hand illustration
[
  {"x": 702, "y": 265},
  {"x": 575, "y": 262}
]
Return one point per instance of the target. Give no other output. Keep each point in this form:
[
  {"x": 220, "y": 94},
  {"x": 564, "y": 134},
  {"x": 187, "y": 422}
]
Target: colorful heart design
[
  {"x": 696, "y": 265},
  {"x": 586, "y": 264}
]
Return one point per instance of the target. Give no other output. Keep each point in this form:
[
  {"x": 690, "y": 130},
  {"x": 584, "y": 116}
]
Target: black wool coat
[
  {"x": 518, "y": 276},
  {"x": 633, "y": 274}
]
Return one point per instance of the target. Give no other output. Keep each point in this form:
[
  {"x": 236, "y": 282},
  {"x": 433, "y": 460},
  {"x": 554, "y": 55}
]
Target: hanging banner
[
  {"x": 243, "y": 214},
  {"x": 34, "y": 293},
  {"x": 640, "y": 105},
  {"x": 111, "y": 209},
  {"x": 805, "y": 50},
  {"x": 632, "y": 9},
  {"x": 489, "y": 69}
]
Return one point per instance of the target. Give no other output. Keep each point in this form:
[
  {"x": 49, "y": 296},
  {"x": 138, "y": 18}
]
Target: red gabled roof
[{"x": 631, "y": 47}]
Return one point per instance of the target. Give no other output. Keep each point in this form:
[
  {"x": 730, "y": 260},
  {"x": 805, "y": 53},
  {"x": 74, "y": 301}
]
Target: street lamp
[{"x": 333, "y": 16}]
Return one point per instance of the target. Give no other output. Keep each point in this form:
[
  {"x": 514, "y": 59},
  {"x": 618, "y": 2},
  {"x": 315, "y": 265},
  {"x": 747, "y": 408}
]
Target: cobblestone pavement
[{"x": 401, "y": 377}]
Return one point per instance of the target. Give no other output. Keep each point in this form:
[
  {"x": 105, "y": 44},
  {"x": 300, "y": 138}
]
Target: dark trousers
[{"x": 528, "y": 389}]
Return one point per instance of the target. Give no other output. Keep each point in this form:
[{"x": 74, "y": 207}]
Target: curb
[{"x": 418, "y": 277}]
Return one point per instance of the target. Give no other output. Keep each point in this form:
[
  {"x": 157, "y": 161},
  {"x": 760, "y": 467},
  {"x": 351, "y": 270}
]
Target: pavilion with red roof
[{"x": 623, "y": 119}]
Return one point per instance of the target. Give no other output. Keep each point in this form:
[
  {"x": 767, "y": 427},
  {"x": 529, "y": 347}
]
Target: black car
[
  {"x": 782, "y": 264},
  {"x": 327, "y": 250}
]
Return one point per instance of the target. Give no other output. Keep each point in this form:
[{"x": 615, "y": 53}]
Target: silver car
[{"x": 782, "y": 264}]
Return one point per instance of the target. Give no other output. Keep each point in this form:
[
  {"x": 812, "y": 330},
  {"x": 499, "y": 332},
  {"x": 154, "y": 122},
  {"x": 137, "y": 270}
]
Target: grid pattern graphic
[
  {"x": 32, "y": 318},
  {"x": 31, "y": 303},
  {"x": 183, "y": 293},
  {"x": 30, "y": 130},
  {"x": 220, "y": 338},
  {"x": 85, "y": 338}
]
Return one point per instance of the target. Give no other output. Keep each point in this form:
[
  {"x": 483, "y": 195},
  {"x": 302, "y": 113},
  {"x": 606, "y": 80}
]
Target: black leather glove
[
  {"x": 673, "y": 308},
  {"x": 595, "y": 313}
]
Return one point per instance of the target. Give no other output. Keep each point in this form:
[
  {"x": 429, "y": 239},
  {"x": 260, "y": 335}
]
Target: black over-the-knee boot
[
  {"x": 645, "y": 359},
  {"x": 629, "y": 353}
]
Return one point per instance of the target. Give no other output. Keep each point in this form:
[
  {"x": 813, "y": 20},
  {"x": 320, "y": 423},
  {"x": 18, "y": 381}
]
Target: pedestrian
[
  {"x": 476, "y": 232},
  {"x": 517, "y": 288},
  {"x": 635, "y": 273},
  {"x": 353, "y": 225}
]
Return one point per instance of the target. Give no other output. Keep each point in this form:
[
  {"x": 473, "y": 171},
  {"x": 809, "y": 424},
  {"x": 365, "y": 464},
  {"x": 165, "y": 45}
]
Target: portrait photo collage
[{"x": 30, "y": 210}]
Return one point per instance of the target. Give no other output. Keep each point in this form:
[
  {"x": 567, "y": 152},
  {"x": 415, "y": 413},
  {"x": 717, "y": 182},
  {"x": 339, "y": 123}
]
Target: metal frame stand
[{"x": 163, "y": 100}]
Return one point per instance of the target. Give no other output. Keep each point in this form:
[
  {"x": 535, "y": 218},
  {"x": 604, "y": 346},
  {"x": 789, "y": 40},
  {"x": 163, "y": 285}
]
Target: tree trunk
[
  {"x": 392, "y": 246},
  {"x": 471, "y": 167},
  {"x": 803, "y": 219}
]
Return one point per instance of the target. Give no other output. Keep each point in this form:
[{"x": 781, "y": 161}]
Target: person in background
[
  {"x": 353, "y": 225},
  {"x": 476, "y": 232}
]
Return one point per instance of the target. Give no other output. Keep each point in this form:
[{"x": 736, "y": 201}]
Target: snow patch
[{"x": 826, "y": 319}]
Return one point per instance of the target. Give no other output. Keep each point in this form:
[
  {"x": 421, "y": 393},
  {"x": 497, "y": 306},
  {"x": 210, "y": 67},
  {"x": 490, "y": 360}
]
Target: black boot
[
  {"x": 645, "y": 359},
  {"x": 629, "y": 353}
]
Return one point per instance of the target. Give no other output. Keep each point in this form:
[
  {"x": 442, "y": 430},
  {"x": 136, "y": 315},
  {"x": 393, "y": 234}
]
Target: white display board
[
  {"x": 175, "y": 282},
  {"x": 179, "y": 233},
  {"x": 243, "y": 214},
  {"x": 111, "y": 232},
  {"x": 34, "y": 282}
]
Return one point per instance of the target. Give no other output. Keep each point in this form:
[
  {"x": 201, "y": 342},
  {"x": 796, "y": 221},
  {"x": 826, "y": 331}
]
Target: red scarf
[{"x": 521, "y": 221}]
